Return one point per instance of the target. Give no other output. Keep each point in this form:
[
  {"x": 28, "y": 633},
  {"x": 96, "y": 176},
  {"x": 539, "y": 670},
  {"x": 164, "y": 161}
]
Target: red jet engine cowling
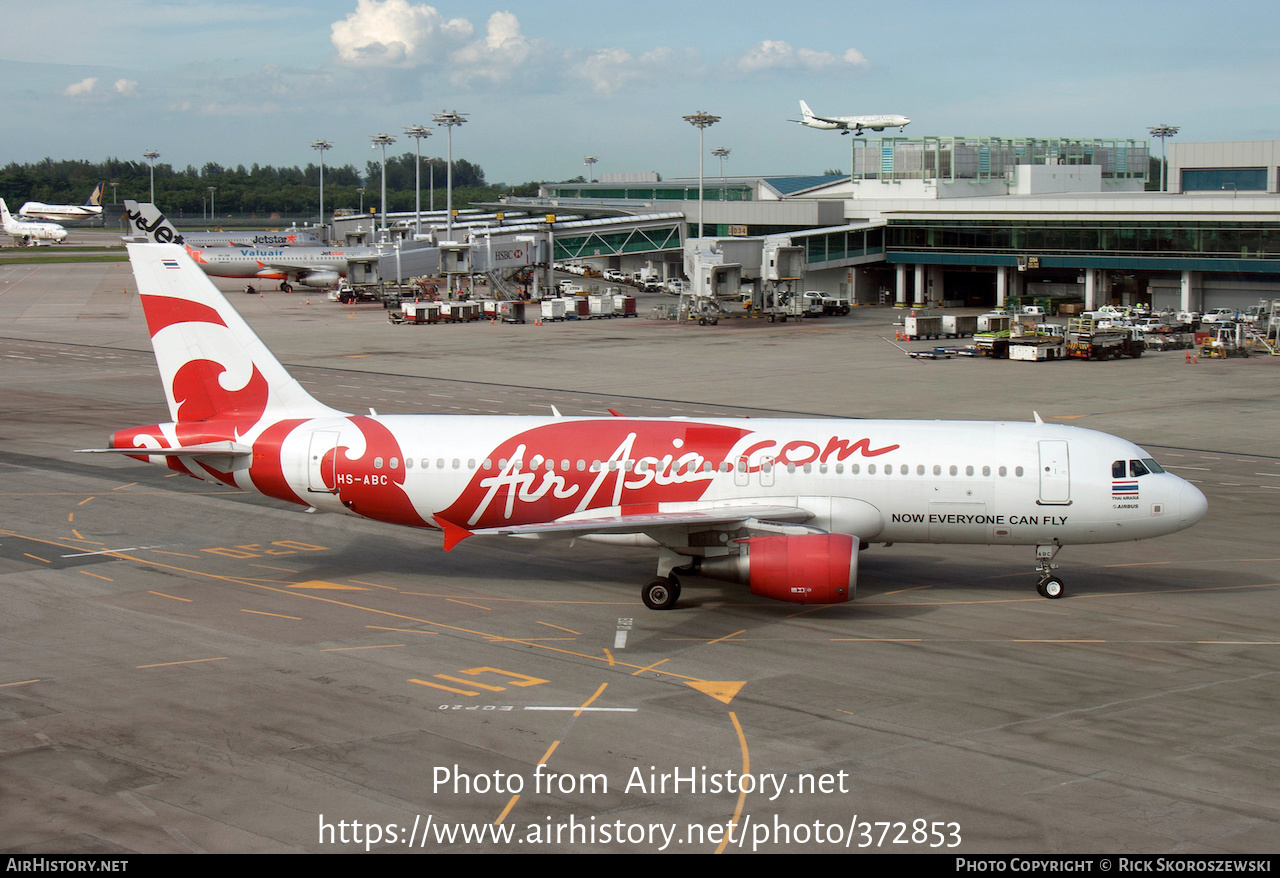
[{"x": 803, "y": 569}]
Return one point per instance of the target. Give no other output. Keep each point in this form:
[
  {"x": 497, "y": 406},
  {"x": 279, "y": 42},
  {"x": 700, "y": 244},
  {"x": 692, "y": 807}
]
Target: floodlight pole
[
  {"x": 450, "y": 119},
  {"x": 702, "y": 120},
  {"x": 382, "y": 140},
  {"x": 417, "y": 132},
  {"x": 1163, "y": 132},
  {"x": 589, "y": 161},
  {"x": 320, "y": 146},
  {"x": 152, "y": 155}
]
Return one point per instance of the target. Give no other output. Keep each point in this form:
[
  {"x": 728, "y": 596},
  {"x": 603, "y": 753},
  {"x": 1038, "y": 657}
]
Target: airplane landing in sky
[
  {"x": 845, "y": 124},
  {"x": 782, "y": 506},
  {"x": 91, "y": 209},
  {"x": 30, "y": 234}
]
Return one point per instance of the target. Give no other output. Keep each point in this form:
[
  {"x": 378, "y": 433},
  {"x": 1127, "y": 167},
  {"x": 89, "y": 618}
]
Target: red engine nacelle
[{"x": 805, "y": 569}]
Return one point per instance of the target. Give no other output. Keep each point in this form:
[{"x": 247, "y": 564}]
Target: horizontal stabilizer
[{"x": 204, "y": 449}]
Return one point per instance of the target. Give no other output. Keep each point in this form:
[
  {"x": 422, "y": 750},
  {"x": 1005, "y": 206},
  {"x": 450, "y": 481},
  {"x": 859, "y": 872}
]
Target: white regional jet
[
  {"x": 310, "y": 266},
  {"x": 780, "y": 505},
  {"x": 66, "y": 212},
  {"x": 845, "y": 124},
  {"x": 27, "y": 233}
]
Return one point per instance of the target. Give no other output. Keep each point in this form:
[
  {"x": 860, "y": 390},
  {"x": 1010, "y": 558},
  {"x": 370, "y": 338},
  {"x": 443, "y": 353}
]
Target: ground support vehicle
[
  {"x": 958, "y": 325},
  {"x": 416, "y": 313},
  {"x": 1087, "y": 342},
  {"x": 552, "y": 309},
  {"x": 918, "y": 326},
  {"x": 1037, "y": 347}
]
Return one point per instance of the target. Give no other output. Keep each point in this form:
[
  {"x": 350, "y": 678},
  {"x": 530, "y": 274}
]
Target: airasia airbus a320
[{"x": 782, "y": 506}]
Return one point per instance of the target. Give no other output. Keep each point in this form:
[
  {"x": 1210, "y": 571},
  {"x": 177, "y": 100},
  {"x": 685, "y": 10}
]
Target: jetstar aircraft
[
  {"x": 310, "y": 266},
  {"x": 147, "y": 218},
  {"x": 30, "y": 234},
  {"x": 780, "y": 505},
  {"x": 91, "y": 209},
  {"x": 845, "y": 124}
]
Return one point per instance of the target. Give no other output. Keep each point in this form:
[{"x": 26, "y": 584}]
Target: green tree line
[{"x": 258, "y": 190}]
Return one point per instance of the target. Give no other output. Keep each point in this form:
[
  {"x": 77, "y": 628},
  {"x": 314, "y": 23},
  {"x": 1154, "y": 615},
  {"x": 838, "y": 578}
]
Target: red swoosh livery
[{"x": 783, "y": 506}]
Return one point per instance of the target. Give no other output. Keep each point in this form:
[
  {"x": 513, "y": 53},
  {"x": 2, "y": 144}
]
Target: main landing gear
[
  {"x": 661, "y": 592},
  {"x": 1049, "y": 585}
]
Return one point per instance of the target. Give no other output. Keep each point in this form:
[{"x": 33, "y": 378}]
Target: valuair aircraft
[
  {"x": 782, "y": 506},
  {"x": 91, "y": 209},
  {"x": 146, "y": 217},
  {"x": 27, "y": 233},
  {"x": 310, "y": 266},
  {"x": 845, "y": 124}
]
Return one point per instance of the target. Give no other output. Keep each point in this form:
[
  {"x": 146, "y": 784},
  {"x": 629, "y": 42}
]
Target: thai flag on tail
[{"x": 169, "y": 263}]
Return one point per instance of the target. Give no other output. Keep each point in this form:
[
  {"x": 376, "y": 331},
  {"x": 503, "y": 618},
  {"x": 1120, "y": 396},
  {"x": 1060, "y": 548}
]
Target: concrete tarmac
[{"x": 190, "y": 668}]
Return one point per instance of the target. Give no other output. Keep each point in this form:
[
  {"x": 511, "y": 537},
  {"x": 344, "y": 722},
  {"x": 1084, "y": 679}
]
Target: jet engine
[
  {"x": 320, "y": 277},
  {"x": 802, "y": 569}
]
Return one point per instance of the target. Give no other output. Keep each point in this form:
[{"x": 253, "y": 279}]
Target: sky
[{"x": 546, "y": 83}]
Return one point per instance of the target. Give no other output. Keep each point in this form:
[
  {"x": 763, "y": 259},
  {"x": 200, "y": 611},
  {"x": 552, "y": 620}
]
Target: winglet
[
  {"x": 1037, "y": 417},
  {"x": 453, "y": 534},
  {"x": 615, "y": 414}
]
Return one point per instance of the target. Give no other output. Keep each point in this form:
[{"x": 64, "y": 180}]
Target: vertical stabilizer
[
  {"x": 214, "y": 367},
  {"x": 147, "y": 219},
  {"x": 95, "y": 199}
]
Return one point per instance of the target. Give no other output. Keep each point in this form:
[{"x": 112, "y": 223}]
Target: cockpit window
[
  {"x": 1152, "y": 466},
  {"x": 1136, "y": 468},
  {"x": 1117, "y": 469}
]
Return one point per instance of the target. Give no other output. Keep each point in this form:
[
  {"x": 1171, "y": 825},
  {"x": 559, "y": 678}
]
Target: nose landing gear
[{"x": 1049, "y": 585}]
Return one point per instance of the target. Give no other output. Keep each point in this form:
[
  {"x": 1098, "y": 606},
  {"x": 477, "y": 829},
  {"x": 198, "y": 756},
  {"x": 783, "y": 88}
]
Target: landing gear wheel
[
  {"x": 1051, "y": 587},
  {"x": 660, "y": 593}
]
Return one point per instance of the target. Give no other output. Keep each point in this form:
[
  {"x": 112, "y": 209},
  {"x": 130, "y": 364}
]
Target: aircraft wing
[{"x": 621, "y": 523}]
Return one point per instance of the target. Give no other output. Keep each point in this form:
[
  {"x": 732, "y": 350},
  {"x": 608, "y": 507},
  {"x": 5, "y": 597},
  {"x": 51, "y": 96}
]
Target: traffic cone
[{"x": 1188, "y": 356}]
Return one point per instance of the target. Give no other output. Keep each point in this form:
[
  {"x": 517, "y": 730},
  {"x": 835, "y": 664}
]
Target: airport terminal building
[{"x": 975, "y": 220}]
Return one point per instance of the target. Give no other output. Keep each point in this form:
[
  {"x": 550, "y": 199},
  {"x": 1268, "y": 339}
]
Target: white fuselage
[
  {"x": 59, "y": 212},
  {"x": 882, "y": 481},
  {"x": 279, "y": 262}
]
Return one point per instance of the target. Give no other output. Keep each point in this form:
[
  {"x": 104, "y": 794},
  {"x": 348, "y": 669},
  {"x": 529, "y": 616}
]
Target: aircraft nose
[{"x": 1192, "y": 506}]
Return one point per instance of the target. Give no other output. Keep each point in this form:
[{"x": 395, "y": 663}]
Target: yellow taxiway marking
[
  {"x": 405, "y": 630},
  {"x": 472, "y": 683},
  {"x": 726, "y": 637},
  {"x": 222, "y": 658},
  {"x": 129, "y": 485},
  {"x": 512, "y": 803},
  {"x": 376, "y": 646},
  {"x": 608, "y": 656},
  {"x": 18, "y": 683},
  {"x": 468, "y": 604},
  {"x": 746, "y": 769},
  {"x": 171, "y": 597},
  {"x": 71, "y": 516},
  {"x": 269, "y": 567},
  {"x": 321, "y": 584},
  {"x": 179, "y": 554},
  {"x": 374, "y": 584},
  {"x": 37, "y": 557},
  {"x": 277, "y": 615},
  {"x": 587, "y": 703},
  {"x": 84, "y": 501},
  {"x": 558, "y": 628},
  {"x": 652, "y": 666},
  {"x": 438, "y": 686},
  {"x": 107, "y": 578},
  {"x": 722, "y": 691}
]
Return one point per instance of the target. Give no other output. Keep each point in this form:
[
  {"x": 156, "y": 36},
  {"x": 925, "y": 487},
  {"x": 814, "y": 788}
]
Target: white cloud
[
  {"x": 496, "y": 57},
  {"x": 81, "y": 89},
  {"x": 396, "y": 33},
  {"x": 126, "y": 87},
  {"x": 779, "y": 55},
  {"x": 609, "y": 71}
]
